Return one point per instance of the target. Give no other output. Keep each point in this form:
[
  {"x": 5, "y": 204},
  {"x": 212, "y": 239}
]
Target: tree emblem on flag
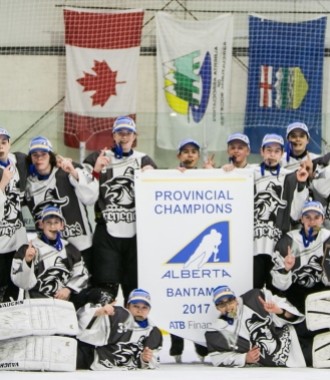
[
  {"x": 185, "y": 89},
  {"x": 103, "y": 83}
]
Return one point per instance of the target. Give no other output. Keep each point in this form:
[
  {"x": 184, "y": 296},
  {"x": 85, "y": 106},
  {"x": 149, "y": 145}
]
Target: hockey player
[
  {"x": 114, "y": 240},
  {"x": 254, "y": 329},
  {"x": 57, "y": 181},
  {"x": 49, "y": 266},
  {"x": 188, "y": 154},
  {"x": 114, "y": 337},
  {"x": 238, "y": 150},
  {"x": 298, "y": 136},
  {"x": 278, "y": 198},
  {"x": 12, "y": 229},
  {"x": 301, "y": 260}
]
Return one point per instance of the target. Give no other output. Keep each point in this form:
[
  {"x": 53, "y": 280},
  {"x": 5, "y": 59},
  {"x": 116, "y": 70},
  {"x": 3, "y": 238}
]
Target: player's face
[
  {"x": 4, "y": 148},
  {"x": 240, "y": 151},
  {"x": 139, "y": 310},
  {"x": 298, "y": 140},
  {"x": 124, "y": 138},
  {"x": 228, "y": 306},
  {"x": 312, "y": 219},
  {"x": 51, "y": 226},
  {"x": 189, "y": 156},
  {"x": 41, "y": 161},
  {"x": 271, "y": 154}
]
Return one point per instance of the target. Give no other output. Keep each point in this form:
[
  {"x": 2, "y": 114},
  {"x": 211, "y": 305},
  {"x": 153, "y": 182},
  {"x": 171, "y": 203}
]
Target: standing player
[
  {"x": 301, "y": 267},
  {"x": 188, "y": 155},
  {"x": 238, "y": 150},
  {"x": 278, "y": 198},
  {"x": 114, "y": 241},
  {"x": 298, "y": 136},
  {"x": 12, "y": 230}
]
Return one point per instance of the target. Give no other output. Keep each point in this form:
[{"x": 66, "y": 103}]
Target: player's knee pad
[
  {"x": 38, "y": 353},
  {"x": 321, "y": 350},
  {"x": 45, "y": 316},
  {"x": 317, "y": 307}
]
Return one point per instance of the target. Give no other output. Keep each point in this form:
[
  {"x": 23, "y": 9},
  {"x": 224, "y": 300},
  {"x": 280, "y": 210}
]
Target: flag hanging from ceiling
[
  {"x": 193, "y": 71},
  {"x": 102, "y": 51},
  {"x": 284, "y": 78}
]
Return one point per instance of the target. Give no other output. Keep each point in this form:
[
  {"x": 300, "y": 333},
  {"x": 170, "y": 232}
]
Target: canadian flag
[{"x": 102, "y": 52}]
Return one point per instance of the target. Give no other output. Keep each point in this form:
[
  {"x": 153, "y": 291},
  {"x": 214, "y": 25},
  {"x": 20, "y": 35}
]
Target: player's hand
[
  {"x": 289, "y": 260},
  {"x": 309, "y": 165},
  {"x": 146, "y": 354},
  {"x": 270, "y": 306},
  {"x": 147, "y": 167},
  {"x": 30, "y": 252},
  {"x": 63, "y": 294},
  {"x": 66, "y": 165},
  {"x": 253, "y": 355},
  {"x": 209, "y": 162},
  {"x": 107, "y": 309},
  {"x": 228, "y": 167},
  {"x": 7, "y": 175},
  {"x": 302, "y": 173},
  {"x": 102, "y": 161},
  {"x": 182, "y": 169}
]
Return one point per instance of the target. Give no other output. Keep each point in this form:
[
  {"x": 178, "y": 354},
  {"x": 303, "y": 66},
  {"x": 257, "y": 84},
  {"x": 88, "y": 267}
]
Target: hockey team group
[{"x": 58, "y": 291}]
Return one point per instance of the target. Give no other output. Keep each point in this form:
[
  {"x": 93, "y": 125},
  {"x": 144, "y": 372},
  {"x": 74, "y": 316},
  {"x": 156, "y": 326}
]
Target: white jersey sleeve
[
  {"x": 321, "y": 183},
  {"x": 3, "y": 198},
  {"x": 282, "y": 280},
  {"x": 228, "y": 359},
  {"x": 86, "y": 187},
  {"x": 298, "y": 200},
  {"x": 93, "y": 330},
  {"x": 22, "y": 274}
]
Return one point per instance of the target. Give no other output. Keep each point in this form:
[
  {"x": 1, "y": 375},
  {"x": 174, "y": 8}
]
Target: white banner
[
  {"x": 195, "y": 232},
  {"x": 194, "y": 73}
]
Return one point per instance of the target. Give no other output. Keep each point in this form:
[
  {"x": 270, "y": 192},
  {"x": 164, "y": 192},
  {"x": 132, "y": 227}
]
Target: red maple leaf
[{"x": 103, "y": 82}]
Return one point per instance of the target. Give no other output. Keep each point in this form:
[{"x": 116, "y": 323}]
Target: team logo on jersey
[
  {"x": 52, "y": 198},
  {"x": 267, "y": 203},
  {"x": 210, "y": 246},
  {"x": 274, "y": 347},
  {"x": 310, "y": 274},
  {"x": 10, "y": 222},
  {"x": 119, "y": 195},
  {"x": 126, "y": 355}
]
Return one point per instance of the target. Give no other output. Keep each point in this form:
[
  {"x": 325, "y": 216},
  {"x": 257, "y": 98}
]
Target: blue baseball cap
[
  {"x": 124, "y": 123},
  {"x": 272, "y": 138},
  {"x": 139, "y": 295},
  {"x": 4, "y": 132},
  {"x": 40, "y": 143},
  {"x": 221, "y": 292},
  {"x": 297, "y": 125},
  {"x": 239, "y": 137},
  {"x": 313, "y": 206},
  {"x": 51, "y": 212},
  {"x": 185, "y": 142}
]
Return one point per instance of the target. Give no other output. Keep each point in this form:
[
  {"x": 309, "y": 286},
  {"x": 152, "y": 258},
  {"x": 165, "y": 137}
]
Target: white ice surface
[{"x": 190, "y": 369}]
